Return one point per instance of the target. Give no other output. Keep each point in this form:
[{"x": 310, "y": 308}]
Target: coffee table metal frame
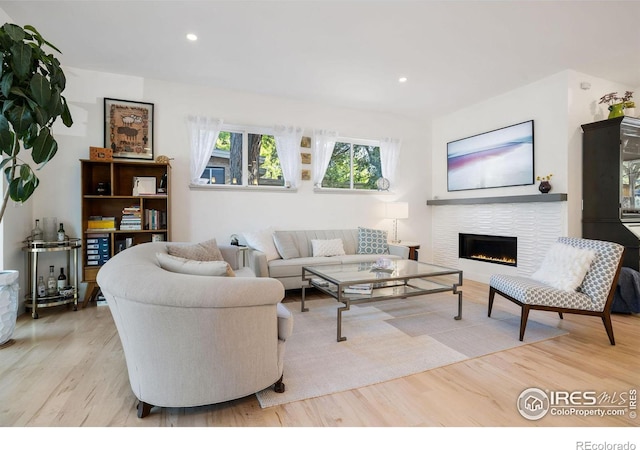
[{"x": 416, "y": 279}]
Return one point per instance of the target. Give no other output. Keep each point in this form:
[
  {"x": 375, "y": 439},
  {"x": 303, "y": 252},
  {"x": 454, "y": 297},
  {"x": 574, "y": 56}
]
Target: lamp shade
[{"x": 397, "y": 210}]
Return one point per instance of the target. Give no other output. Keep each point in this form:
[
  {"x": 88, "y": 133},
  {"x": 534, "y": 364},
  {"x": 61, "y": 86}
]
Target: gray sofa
[
  {"x": 289, "y": 270},
  {"x": 192, "y": 340}
]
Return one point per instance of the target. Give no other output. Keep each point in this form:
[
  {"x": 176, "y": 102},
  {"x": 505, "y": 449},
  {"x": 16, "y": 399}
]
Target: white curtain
[
  {"x": 288, "y": 147},
  {"x": 203, "y": 134},
  {"x": 389, "y": 155},
  {"x": 323, "y": 143}
]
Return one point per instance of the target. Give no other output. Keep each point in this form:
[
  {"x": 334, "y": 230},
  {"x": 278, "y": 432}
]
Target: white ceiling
[{"x": 347, "y": 53}]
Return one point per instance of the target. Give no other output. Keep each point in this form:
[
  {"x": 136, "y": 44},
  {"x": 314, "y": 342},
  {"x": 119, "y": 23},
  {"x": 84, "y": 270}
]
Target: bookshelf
[{"x": 113, "y": 218}]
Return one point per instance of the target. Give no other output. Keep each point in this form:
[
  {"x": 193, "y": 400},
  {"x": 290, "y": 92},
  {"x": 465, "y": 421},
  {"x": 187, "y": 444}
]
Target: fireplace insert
[{"x": 487, "y": 248}]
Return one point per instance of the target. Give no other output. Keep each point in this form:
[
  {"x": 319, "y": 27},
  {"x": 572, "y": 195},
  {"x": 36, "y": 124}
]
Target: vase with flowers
[
  {"x": 617, "y": 103},
  {"x": 545, "y": 186}
]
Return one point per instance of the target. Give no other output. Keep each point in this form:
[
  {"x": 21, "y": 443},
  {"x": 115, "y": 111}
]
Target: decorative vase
[
  {"x": 616, "y": 110},
  {"x": 544, "y": 187},
  {"x": 8, "y": 304}
]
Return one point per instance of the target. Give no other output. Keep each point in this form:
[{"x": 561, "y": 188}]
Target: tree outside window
[
  {"x": 353, "y": 166},
  {"x": 262, "y": 164}
]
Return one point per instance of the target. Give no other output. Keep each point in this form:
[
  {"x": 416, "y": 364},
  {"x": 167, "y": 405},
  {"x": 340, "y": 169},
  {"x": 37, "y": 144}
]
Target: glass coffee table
[{"x": 365, "y": 282}]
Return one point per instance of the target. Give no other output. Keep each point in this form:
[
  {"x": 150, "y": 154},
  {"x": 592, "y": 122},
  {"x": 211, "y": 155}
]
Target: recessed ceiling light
[
  {"x": 192, "y": 37},
  {"x": 402, "y": 80}
]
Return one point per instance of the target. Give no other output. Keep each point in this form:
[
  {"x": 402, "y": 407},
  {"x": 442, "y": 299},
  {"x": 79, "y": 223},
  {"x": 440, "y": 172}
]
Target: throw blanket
[{"x": 627, "y": 295}]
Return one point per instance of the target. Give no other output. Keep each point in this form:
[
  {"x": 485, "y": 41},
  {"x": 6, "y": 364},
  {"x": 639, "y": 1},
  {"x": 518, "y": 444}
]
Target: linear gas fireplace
[{"x": 492, "y": 249}]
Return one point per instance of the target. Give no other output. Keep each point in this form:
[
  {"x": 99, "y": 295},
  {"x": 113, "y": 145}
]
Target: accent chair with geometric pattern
[{"x": 593, "y": 266}]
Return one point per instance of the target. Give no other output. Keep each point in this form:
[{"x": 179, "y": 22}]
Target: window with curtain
[
  {"x": 244, "y": 156},
  {"x": 354, "y": 164}
]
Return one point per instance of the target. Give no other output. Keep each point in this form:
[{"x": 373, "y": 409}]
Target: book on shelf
[
  {"x": 155, "y": 219},
  {"x": 101, "y": 223},
  {"x": 131, "y": 218}
]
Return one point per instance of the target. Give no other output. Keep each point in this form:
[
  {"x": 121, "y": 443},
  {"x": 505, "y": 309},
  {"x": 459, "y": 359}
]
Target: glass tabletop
[{"x": 372, "y": 272}]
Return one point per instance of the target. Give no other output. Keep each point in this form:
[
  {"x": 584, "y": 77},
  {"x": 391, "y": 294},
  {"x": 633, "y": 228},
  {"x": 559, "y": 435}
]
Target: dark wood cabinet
[{"x": 611, "y": 184}]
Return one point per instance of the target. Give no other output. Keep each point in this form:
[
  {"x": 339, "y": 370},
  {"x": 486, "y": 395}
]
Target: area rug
[{"x": 387, "y": 340}]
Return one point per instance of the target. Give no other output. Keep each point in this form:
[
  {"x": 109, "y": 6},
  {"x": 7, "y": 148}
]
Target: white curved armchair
[{"x": 193, "y": 340}]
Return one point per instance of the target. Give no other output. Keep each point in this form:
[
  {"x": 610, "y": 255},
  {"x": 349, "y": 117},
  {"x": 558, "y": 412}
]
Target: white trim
[
  {"x": 239, "y": 187},
  {"x": 318, "y": 190}
]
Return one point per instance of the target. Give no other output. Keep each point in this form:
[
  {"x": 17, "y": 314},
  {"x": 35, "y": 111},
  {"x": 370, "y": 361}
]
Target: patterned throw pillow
[
  {"x": 372, "y": 242},
  {"x": 327, "y": 247},
  {"x": 204, "y": 251}
]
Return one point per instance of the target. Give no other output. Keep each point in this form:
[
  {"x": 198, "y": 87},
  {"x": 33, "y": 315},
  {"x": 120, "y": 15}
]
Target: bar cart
[{"x": 33, "y": 249}]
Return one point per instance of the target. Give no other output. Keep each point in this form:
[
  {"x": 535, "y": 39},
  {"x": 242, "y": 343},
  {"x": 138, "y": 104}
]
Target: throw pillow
[
  {"x": 192, "y": 267},
  {"x": 262, "y": 241},
  {"x": 564, "y": 266},
  {"x": 327, "y": 247},
  {"x": 204, "y": 251},
  {"x": 285, "y": 245},
  {"x": 372, "y": 242}
]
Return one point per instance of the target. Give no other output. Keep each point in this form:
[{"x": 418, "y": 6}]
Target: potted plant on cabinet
[{"x": 31, "y": 86}]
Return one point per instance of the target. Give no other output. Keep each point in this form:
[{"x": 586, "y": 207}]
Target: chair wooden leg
[
  {"x": 523, "y": 320},
  {"x": 144, "y": 409},
  {"x": 492, "y": 294},
  {"x": 560, "y": 314},
  {"x": 606, "y": 319},
  {"x": 279, "y": 386}
]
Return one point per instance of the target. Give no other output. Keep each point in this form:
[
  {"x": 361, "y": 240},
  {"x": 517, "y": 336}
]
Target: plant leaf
[
  {"x": 20, "y": 118},
  {"x": 6, "y": 84},
  {"x": 15, "y": 32},
  {"x": 66, "y": 114},
  {"x": 40, "y": 38},
  {"x": 40, "y": 89},
  {"x": 44, "y": 147},
  {"x": 6, "y": 136},
  {"x": 21, "y": 62},
  {"x": 20, "y": 191},
  {"x": 55, "y": 107}
]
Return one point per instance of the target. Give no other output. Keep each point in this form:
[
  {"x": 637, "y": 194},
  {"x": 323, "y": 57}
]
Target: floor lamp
[{"x": 395, "y": 211}]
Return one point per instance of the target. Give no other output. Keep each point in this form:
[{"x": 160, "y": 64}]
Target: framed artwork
[
  {"x": 305, "y": 158},
  {"x": 305, "y": 142},
  {"x": 128, "y": 128},
  {"x": 306, "y": 174}
]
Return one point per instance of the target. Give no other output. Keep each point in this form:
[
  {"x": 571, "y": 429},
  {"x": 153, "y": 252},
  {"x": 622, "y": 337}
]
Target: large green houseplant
[{"x": 31, "y": 85}]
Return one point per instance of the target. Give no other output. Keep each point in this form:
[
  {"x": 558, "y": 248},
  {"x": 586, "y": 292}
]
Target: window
[
  {"x": 244, "y": 157},
  {"x": 353, "y": 165}
]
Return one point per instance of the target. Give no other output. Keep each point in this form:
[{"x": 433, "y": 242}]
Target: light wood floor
[{"x": 67, "y": 369}]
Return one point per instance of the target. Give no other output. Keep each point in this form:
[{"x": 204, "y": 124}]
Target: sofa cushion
[
  {"x": 293, "y": 267},
  {"x": 327, "y": 247},
  {"x": 203, "y": 251},
  {"x": 564, "y": 266},
  {"x": 371, "y": 241},
  {"x": 262, "y": 241},
  {"x": 193, "y": 267},
  {"x": 286, "y": 245}
]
